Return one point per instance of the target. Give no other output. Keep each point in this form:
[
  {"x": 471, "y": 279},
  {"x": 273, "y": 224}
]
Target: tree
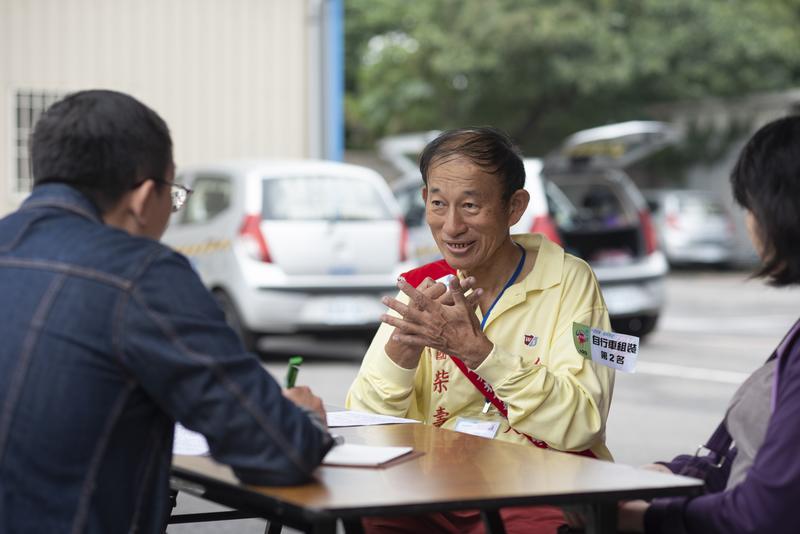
[{"x": 542, "y": 69}]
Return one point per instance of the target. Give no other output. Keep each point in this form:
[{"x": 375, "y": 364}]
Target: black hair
[
  {"x": 766, "y": 181},
  {"x": 102, "y": 143},
  {"x": 489, "y": 148}
]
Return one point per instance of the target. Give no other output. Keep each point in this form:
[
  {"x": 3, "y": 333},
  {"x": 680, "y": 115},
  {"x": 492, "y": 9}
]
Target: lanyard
[
  {"x": 499, "y": 295},
  {"x": 485, "y": 389},
  {"x": 508, "y": 284}
]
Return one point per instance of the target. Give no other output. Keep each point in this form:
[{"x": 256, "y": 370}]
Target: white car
[
  {"x": 292, "y": 246},
  {"x": 694, "y": 226}
]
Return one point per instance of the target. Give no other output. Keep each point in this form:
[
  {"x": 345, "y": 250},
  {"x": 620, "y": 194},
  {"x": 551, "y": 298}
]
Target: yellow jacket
[{"x": 552, "y": 393}]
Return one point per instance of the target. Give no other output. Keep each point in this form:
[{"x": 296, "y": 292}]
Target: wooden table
[{"x": 455, "y": 471}]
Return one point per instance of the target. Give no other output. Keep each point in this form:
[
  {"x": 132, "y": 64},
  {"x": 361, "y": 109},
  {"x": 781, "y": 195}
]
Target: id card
[{"x": 477, "y": 427}]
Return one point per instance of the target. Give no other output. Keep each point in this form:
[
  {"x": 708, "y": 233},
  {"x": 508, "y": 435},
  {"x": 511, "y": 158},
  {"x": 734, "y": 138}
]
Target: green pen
[{"x": 294, "y": 368}]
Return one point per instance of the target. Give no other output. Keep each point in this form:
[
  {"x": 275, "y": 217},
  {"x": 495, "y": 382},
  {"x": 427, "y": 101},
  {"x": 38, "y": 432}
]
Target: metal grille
[{"x": 29, "y": 107}]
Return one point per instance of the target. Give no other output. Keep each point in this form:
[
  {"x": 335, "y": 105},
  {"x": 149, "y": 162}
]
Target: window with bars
[{"x": 29, "y": 107}]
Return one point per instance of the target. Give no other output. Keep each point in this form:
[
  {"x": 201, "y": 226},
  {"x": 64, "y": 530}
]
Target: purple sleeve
[{"x": 768, "y": 499}]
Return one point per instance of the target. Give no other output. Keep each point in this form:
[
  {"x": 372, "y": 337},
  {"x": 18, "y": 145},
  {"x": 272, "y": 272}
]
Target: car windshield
[{"x": 327, "y": 198}]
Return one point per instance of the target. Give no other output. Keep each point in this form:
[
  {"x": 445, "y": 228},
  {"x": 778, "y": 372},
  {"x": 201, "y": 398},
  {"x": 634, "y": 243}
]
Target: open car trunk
[
  {"x": 596, "y": 217},
  {"x": 600, "y": 214}
]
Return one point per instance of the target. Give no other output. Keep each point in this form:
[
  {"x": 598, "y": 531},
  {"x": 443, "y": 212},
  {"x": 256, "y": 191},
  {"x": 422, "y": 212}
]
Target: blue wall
[{"x": 334, "y": 80}]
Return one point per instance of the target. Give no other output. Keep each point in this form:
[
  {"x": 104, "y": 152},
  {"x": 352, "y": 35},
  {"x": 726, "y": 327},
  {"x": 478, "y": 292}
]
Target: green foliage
[{"x": 544, "y": 68}]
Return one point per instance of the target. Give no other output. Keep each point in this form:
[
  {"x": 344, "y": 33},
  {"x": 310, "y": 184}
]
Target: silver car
[
  {"x": 292, "y": 246},
  {"x": 694, "y": 227},
  {"x": 603, "y": 218}
]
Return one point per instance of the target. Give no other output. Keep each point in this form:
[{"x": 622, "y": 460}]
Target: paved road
[{"x": 716, "y": 328}]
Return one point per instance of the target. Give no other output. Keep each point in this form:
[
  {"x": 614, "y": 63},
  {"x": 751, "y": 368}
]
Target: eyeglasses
[{"x": 178, "y": 193}]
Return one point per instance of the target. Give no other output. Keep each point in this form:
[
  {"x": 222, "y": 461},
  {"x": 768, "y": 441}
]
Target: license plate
[
  {"x": 341, "y": 270},
  {"x": 343, "y": 310}
]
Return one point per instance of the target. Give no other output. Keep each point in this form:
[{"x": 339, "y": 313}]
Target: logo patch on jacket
[{"x": 531, "y": 340}]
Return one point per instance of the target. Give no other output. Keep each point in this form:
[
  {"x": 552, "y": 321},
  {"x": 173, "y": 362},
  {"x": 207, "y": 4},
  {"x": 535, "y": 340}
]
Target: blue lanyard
[{"x": 508, "y": 284}]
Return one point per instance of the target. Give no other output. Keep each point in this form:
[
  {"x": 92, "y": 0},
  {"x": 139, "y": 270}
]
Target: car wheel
[
  {"x": 639, "y": 326},
  {"x": 249, "y": 338},
  {"x": 725, "y": 266}
]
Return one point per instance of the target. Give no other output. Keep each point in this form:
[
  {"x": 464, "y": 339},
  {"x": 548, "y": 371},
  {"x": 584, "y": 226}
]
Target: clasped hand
[{"x": 440, "y": 317}]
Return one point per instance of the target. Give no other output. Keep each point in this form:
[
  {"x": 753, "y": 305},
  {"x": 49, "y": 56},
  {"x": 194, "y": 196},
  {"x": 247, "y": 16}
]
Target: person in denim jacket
[{"x": 109, "y": 337}]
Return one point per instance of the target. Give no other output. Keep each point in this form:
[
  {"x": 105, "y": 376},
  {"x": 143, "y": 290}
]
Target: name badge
[
  {"x": 617, "y": 351},
  {"x": 477, "y": 427}
]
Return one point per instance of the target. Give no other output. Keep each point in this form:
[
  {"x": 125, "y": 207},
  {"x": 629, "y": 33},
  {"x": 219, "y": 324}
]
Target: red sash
[
  {"x": 487, "y": 391},
  {"x": 433, "y": 271}
]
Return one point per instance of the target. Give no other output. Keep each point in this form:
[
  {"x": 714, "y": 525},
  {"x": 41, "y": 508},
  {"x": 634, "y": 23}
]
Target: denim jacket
[{"x": 106, "y": 339}]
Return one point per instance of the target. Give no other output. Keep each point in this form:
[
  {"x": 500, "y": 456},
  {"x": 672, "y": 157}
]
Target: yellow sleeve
[
  {"x": 564, "y": 399},
  {"x": 381, "y": 385}
]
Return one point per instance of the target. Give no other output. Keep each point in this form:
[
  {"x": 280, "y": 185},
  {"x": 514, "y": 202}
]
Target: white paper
[
  {"x": 353, "y": 418},
  {"x": 352, "y": 455},
  {"x": 188, "y": 442}
]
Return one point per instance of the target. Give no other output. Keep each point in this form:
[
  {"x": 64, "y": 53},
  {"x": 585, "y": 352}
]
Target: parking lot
[{"x": 716, "y": 328}]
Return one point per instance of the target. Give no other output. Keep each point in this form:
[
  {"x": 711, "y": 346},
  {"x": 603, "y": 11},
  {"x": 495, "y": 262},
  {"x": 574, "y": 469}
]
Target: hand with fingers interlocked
[
  {"x": 436, "y": 316},
  {"x": 407, "y": 355}
]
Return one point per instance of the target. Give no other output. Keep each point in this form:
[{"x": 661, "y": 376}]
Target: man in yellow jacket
[{"x": 481, "y": 341}]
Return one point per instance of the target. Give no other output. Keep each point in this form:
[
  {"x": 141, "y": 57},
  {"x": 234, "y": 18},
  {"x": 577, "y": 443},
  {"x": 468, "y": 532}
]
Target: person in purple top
[{"x": 760, "y": 492}]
